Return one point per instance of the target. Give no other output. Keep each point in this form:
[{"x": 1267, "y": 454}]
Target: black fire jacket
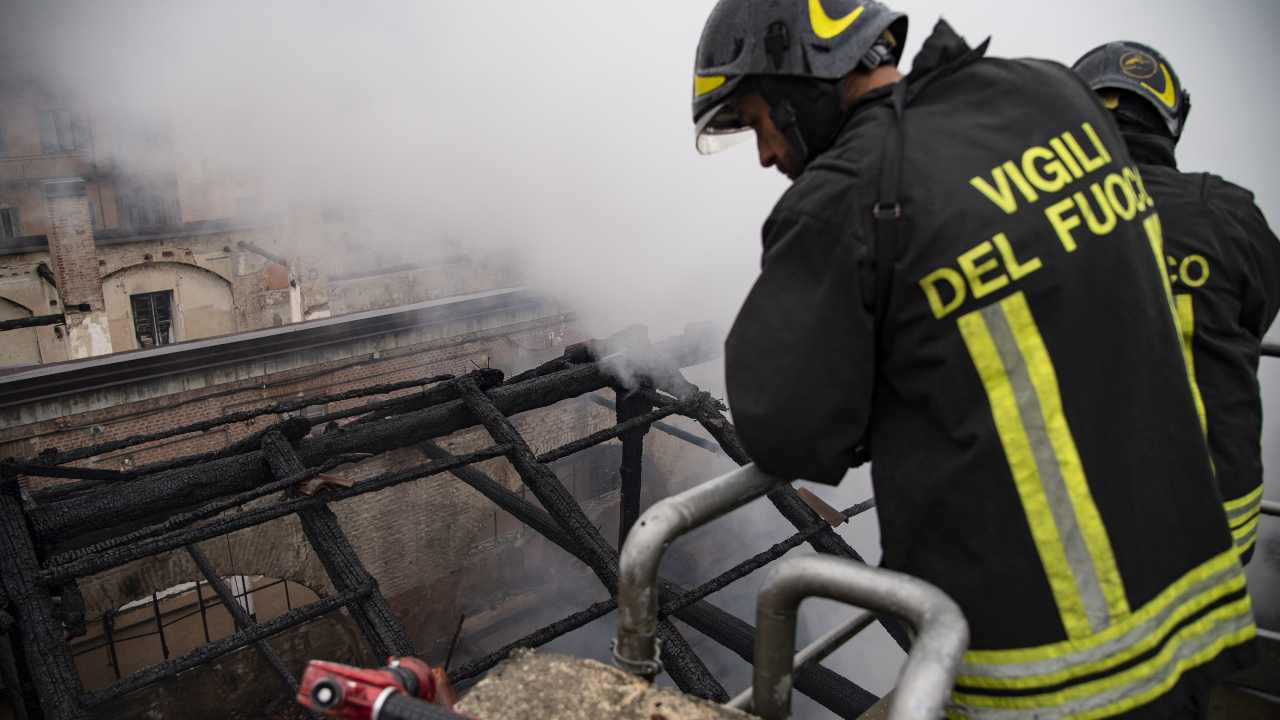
[
  {"x": 1017, "y": 378},
  {"x": 1224, "y": 265}
]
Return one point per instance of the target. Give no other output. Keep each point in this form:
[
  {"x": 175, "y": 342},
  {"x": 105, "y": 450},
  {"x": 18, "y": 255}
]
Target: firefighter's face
[{"x": 770, "y": 143}]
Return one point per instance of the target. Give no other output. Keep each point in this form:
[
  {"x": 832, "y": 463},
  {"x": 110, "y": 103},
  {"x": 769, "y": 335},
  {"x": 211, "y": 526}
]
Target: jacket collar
[{"x": 1150, "y": 149}]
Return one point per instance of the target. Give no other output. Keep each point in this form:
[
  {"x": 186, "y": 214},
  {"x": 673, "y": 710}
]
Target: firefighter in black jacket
[
  {"x": 1223, "y": 263},
  {"x": 966, "y": 279}
]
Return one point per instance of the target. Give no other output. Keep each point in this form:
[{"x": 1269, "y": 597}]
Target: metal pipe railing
[
  {"x": 1270, "y": 507},
  {"x": 816, "y": 651},
  {"x": 926, "y": 680},
  {"x": 635, "y": 648}
]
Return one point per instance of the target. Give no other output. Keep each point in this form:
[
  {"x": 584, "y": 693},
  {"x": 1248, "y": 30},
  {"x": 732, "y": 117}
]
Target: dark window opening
[
  {"x": 153, "y": 318},
  {"x": 60, "y": 131},
  {"x": 10, "y": 227}
]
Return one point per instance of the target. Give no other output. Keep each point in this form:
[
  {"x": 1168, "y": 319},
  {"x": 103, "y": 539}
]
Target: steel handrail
[
  {"x": 635, "y": 648},
  {"x": 1271, "y": 507},
  {"x": 942, "y": 634},
  {"x": 816, "y": 651}
]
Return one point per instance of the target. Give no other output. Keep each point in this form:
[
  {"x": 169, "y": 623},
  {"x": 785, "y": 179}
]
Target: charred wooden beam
[
  {"x": 631, "y": 406},
  {"x": 190, "y": 518},
  {"x": 99, "y": 561},
  {"x": 292, "y": 428},
  {"x": 621, "y": 429},
  {"x": 667, "y": 428},
  {"x": 832, "y": 690},
  {"x": 256, "y": 250},
  {"x": 683, "y": 665},
  {"x": 47, "y": 275},
  {"x": 273, "y": 409},
  {"x": 39, "y": 633},
  {"x": 789, "y": 503},
  {"x": 535, "y": 639},
  {"x": 170, "y": 491},
  {"x": 71, "y": 473},
  {"x": 214, "y": 650},
  {"x": 33, "y": 321},
  {"x": 241, "y": 618},
  {"x": 384, "y": 632}
]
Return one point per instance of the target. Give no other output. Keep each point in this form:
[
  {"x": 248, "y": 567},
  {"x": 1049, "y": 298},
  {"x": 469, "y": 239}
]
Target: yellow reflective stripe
[
  {"x": 1157, "y": 673},
  {"x": 1064, "y": 649},
  {"x": 1155, "y": 234},
  {"x": 1253, "y": 498},
  {"x": 1026, "y": 476},
  {"x": 1187, "y": 326},
  {"x": 1144, "y": 643},
  {"x": 1045, "y": 379},
  {"x": 703, "y": 85},
  {"x": 1246, "y": 529}
]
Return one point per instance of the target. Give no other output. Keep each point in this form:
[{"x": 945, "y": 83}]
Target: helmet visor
[{"x": 720, "y": 129}]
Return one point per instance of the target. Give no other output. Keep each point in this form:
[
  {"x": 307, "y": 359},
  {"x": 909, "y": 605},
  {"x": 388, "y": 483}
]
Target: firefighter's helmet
[
  {"x": 1141, "y": 70},
  {"x": 821, "y": 40}
]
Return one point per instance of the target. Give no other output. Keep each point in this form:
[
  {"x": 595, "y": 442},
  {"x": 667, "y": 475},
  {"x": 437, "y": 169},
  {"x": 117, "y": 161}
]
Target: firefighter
[
  {"x": 966, "y": 278},
  {"x": 1223, "y": 263}
]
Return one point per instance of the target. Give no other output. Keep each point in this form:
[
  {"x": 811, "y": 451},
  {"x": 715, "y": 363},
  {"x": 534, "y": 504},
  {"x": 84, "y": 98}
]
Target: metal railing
[
  {"x": 635, "y": 648},
  {"x": 925, "y": 682}
]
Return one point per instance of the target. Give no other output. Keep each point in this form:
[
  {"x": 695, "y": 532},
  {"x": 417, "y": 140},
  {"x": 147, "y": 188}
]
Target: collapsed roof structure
[{"x": 56, "y": 535}]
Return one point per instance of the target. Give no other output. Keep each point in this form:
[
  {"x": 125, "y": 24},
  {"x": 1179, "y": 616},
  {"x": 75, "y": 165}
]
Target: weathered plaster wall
[{"x": 202, "y": 302}]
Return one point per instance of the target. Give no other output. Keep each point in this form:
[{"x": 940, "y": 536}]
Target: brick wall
[{"x": 71, "y": 244}]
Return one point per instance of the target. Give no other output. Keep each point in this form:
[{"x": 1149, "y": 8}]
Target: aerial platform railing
[{"x": 942, "y": 634}]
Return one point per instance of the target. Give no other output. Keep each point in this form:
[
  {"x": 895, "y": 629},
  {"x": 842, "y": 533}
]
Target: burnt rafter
[{"x": 173, "y": 506}]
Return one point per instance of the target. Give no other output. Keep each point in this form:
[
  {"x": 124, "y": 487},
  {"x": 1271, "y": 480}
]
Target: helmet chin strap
[{"x": 784, "y": 118}]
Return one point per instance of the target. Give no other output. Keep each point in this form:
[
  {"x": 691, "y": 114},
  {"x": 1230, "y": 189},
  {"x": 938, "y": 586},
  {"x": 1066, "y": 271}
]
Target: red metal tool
[{"x": 352, "y": 693}]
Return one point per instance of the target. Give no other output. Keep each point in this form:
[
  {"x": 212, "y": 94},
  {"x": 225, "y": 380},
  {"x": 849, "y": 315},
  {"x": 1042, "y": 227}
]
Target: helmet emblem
[
  {"x": 1169, "y": 97},
  {"x": 827, "y": 27},
  {"x": 1138, "y": 65}
]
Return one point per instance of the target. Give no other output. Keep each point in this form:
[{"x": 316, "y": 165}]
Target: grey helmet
[
  {"x": 816, "y": 39},
  {"x": 1143, "y": 71}
]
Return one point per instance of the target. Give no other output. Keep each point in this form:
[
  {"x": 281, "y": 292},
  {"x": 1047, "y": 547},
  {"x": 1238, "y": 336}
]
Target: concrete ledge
[
  {"x": 556, "y": 687},
  {"x": 58, "y": 389}
]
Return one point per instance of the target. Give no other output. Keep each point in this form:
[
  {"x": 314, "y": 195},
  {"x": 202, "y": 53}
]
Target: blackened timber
[
  {"x": 684, "y": 667},
  {"x": 97, "y": 562},
  {"x": 38, "y": 632},
  {"x": 595, "y": 438},
  {"x": 272, "y": 409},
  {"x": 667, "y": 428},
  {"x": 184, "y": 487},
  {"x": 229, "y": 644},
  {"x": 755, "y": 562},
  {"x": 792, "y": 507},
  {"x": 631, "y": 470},
  {"x": 384, "y": 632},
  {"x": 10, "y": 677},
  {"x": 241, "y": 618},
  {"x": 834, "y": 691},
  {"x": 34, "y": 321},
  {"x": 73, "y": 473},
  {"x": 291, "y": 428},
  {"x": 188, "y": 519},
  {"x": 535, "y": 639}
]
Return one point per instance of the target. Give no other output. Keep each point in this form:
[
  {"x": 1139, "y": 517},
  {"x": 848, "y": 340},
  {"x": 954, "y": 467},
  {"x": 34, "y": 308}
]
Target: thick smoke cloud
[{"x": 559, "y": 133}]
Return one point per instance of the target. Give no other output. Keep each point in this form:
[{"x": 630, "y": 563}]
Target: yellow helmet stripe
[
  {"x": 705, "y": 84},
  {"x": 1168, "y": 96},
  {"x": 826, "y": 27}
]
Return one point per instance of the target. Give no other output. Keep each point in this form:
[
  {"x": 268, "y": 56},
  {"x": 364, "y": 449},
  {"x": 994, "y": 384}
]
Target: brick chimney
[{"x": 75, "y": 265}]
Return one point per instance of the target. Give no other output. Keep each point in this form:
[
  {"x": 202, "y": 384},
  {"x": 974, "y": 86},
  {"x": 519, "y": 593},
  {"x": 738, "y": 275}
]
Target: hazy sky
[{"x": 562, "y": 131}]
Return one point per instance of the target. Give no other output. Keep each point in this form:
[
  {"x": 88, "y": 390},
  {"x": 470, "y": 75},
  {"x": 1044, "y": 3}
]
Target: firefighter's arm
[
  {"x": 1259, "y": 253},
  {"x": 799, "y": 359}
]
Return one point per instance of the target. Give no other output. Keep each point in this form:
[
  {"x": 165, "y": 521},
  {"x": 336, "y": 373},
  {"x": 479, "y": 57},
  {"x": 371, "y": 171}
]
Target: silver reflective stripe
[
  {"x": 1103, "y": 650},
  {"x": 1149, "y": 683},
  {"x": 1049, "y": 469},
  {"x": 1248, "y": 538},
  {"x": 1234, "y": 516}
]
